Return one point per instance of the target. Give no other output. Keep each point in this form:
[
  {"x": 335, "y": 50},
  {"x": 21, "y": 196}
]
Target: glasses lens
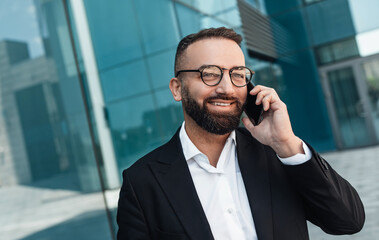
[
  {"x": 211, "y": 75},
  {"x": 241, "y": 76}
]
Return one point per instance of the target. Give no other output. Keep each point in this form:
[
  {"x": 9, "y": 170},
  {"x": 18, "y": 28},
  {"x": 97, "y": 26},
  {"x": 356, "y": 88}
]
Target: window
[{"x": 337, "y": 51}]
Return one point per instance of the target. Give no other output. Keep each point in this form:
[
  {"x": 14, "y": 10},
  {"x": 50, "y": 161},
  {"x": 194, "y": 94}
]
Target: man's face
[{"x": 217, "y": 109}]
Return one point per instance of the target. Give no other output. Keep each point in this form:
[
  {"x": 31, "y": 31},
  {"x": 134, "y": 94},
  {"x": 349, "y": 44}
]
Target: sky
[
  {"x": 366, "y": 21},
  {"x": 18, "y": 21}
]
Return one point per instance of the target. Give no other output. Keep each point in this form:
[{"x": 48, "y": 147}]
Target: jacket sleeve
[
  {"x": 130, "y": 219},
  {"x": 330, "y": 201}
]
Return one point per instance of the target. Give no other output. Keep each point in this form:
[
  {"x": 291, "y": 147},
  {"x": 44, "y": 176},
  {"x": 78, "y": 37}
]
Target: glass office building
[
  {"x": 336, "y": 42},
  {"x": 84, "y": 92}
]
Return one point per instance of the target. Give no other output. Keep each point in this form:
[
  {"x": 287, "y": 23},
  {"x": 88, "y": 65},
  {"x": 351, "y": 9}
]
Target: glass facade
[
  {"x": 135, "y": 59},
  {"x": 50, "y": 153},
  {"x": 49, "y": 178},
  {"x": 291, "y": 31},
  {"x": 329, "y": 33},
  {"x": 329, "y": 21},
  {"x": 55, "y": 173},
  {"x": 349, "y": 113}
]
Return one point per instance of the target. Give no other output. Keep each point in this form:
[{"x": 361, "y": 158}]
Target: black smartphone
[{"x": 252, "y": 110}]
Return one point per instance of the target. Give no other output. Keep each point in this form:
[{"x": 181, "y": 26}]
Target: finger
[
  {"x": 266, "y": 102},
  {"x": 260, "y": 88},
  {"x": 274, "y": 95},
  {"x": 267, "y": 92},
  {"x": 257, "y": 89},
  {"x": 261, "y": 95}
]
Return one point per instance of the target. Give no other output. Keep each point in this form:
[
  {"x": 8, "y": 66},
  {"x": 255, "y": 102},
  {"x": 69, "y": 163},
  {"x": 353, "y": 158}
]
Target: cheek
[
  {"x": 194, "y": 93},
  {"x": 200, "y": 93},
  {"x": 242, "y": 95}
]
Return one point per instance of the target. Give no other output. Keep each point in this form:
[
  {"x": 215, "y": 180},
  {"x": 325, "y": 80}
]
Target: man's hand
[{"x": 275, "y": 130}]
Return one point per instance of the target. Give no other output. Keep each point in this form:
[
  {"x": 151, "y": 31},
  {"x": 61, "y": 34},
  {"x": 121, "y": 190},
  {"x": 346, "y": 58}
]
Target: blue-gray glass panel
[
  {"x": 125, "y": 80},
  {"x": 254, "y": 3},
  {"x": 311, "y": 1},
  {"x": 189, "y": 20},
  {"x": 208, "y": 22},
  {"x": 157, "y": 24},
  {"x": 161, "y": 68},
  {"x": 170, "y": 113},
  {"x": 329, "y": 21},
  {"x": 135, "y": 128},
  {"x": 275, "y": 7},
  {"x": 291, "y": 25},
  {"x": 231, "y": 17},
  {"x": 211, "y": 6},
  {"x": 114, "y": 31}
]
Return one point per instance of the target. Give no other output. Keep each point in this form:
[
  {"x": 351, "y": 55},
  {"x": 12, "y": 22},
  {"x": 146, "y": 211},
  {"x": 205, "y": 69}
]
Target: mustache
[
  {"x": 221, "y": 97},
  {"x": 240, "y": 105}
]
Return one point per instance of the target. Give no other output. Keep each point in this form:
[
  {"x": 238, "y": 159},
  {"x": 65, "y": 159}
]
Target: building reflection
[{"x": 43, "y": 127}]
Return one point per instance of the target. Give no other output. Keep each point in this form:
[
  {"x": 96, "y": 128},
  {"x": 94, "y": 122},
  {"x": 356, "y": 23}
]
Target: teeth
[{"x": 220, "y": 104}]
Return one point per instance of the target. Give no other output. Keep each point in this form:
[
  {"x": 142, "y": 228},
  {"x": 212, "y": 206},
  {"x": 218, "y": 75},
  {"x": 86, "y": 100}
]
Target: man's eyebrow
[{"x": 206, "y": 65}]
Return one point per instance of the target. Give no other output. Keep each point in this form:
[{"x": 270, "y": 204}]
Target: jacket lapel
[
  {"x": 173, "y": 175},
  {"x": 254, "y": 169}
]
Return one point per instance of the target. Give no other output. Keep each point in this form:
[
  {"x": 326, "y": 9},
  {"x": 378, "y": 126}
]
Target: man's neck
[{"x": 208, "y": 143}]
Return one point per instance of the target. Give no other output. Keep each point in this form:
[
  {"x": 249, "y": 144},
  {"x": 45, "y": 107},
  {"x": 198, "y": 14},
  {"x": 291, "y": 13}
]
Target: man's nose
[{"x": 225, "y": 86}]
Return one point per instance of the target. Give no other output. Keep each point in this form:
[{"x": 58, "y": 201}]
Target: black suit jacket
[{"x": 158, "y": 199}]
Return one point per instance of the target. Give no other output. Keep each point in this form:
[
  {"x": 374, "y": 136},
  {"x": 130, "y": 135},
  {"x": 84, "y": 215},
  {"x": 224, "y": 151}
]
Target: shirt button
[{"x": 230, "y": 210}]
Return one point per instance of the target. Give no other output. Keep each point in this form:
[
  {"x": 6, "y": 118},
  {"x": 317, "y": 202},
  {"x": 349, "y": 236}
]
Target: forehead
[{"x": 214, "y": 51}]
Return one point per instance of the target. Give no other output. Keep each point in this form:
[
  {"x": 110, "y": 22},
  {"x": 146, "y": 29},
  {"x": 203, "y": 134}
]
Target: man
[{"x": 213, "y": 180}]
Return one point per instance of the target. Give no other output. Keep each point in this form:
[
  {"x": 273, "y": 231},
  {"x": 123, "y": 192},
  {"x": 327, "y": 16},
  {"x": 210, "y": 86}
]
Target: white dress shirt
[{"x": 221, "y": 189}]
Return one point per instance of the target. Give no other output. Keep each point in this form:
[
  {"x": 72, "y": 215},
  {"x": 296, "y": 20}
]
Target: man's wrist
[
  {"x": 298, "y": 158},
  {"x": 289, "y": 148}
]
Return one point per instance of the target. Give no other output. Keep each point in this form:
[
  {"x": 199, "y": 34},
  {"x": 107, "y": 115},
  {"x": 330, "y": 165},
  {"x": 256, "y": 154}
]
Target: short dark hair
[{"x": 221, "y": 32}]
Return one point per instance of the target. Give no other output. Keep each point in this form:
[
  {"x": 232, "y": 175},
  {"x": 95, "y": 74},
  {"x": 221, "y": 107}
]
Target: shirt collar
[{"x": 189, "y": 149}]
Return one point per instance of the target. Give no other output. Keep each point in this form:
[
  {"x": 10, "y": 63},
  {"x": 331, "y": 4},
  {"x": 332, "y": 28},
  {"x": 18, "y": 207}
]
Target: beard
[{"x": 219, "y": 123}]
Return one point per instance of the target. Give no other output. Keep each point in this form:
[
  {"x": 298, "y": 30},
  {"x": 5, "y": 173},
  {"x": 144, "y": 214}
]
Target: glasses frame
[{"x": 201, "y": 69}]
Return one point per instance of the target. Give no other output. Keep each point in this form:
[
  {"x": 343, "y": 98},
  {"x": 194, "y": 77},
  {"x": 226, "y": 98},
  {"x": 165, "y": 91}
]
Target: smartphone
[{"x": 252, "y": 110}]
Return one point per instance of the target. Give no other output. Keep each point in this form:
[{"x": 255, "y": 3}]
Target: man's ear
[{"x": 176, "y": 89}]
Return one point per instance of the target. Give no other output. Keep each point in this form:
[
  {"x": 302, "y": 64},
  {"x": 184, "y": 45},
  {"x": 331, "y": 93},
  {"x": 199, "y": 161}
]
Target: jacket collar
[{"x": 172, "y": 173}]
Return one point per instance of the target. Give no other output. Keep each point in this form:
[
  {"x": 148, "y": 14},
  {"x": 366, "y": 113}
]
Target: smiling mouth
[{"x": 221, "y": 104}]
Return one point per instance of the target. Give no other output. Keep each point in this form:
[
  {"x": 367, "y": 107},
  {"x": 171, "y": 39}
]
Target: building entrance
[{"x": 352, "y": 95}]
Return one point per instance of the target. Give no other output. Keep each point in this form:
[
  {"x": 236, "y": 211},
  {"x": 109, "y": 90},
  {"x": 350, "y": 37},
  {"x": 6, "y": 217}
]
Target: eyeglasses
[{"x": 211, "y": 75}]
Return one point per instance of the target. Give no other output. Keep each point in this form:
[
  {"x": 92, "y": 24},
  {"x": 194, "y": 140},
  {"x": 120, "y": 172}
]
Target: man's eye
[
  {"x": 210, "y": 75},
  {"x": 238, "y": 76}
]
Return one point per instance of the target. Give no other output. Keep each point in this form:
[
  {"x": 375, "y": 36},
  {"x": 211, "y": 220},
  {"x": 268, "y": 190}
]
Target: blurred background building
[{"x": 84, "y": 92}]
